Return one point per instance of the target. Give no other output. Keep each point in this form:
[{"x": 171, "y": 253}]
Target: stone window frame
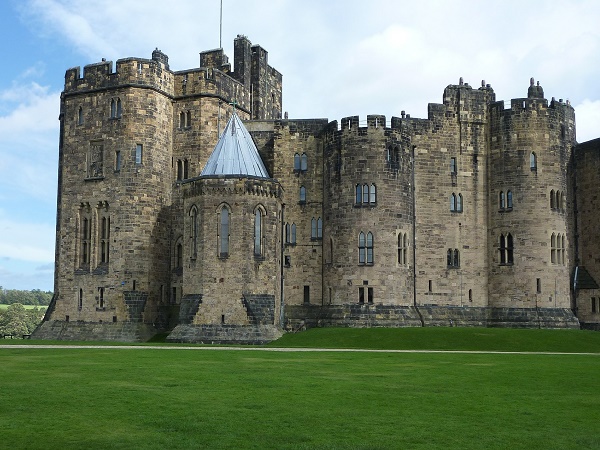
[
  {"x": 103, "y": 230},
  {"x": 116, "y": 108},
  {"x": 506, "y": 249},
  {"x": 194, "y": 231},
  {"x": 456, "y": 202},
  {"x": 365, "y": 194},
  {"x": 453, "y": 258},
  {"x": 260, "y": 213},
  {"x": 80, "y": 116},
  {"x": 224, "y": 230},
  {"x": 84, "y": 256},
  {"x": 533, "y": 162},
  {"x": 302, "y": 196},
  {"x": 365, "y": 249},
  {"x": 402, "y": 240}
]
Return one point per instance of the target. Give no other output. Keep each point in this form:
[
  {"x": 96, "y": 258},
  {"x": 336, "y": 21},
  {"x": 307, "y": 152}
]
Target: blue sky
[{"x": 338, "y": 58}]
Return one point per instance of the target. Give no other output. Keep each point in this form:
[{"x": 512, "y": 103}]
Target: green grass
[{"x": 174, "y": 398}]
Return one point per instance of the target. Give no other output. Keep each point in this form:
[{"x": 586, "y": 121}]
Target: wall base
[
  {"x": 224, "y": 334},
  {"x": 94, "y": 331}
]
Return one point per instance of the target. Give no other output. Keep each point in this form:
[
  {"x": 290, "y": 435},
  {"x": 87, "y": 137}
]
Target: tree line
[
  {"x": 17, "y": 321},
  {"x": 34, "y": 297}
]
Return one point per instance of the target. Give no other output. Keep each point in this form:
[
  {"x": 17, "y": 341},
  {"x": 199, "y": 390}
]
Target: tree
[{"x": 17, "y": 320}]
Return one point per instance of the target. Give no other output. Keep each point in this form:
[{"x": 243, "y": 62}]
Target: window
[
  {"x": 179, "y": 169},
  {"x": 138, "y": 153},
  {"x": 453, "y": 258},
  {"x": 104, "y": 239},
  {"x": 365, "y": 248},
  {"x": 552, "y": 204},
  {"x": 372, "y": 194},
  {"x": 95, "y": 166},
  {"x": 179, "y": 257},
  {"x": 506, "y": 249},
  {"x": 553, "y": 249},
  {"x": 80, "y": 116},
  {"x": 119, "y": 109},
  {"x": 365, "y": 194},
  {"x": 287, "y": 233},
  {"x": 117, "y": 161},
  {"x": 557, "y": 249},
  {"x": 193, "y": 232},
  {"x": 140, "y": 67},
  {"x": 302, "y": 194},
  {"x": 358, "y": 198},
  {"x": 181, "y": 119},
  {"x": 470, "y": 295},
  {"x": 313, "y": 228},
  {"x": 502, "y": 200},
  {"x": 80, "y": 300},
  {"x": 396, "y": 162},
  {"x": 293, "y": 237},
  {"x": 538, "y": 285},
  {"x": 258, "y": 250},
  {"x": 188, "y": 122},
  {"x": 319, "y": 228},
  {"x": 287, "y": 261},
  {"x": 186, "y": 167},
  {"x": 101, "y": 297},
  {"x": 113, "y": 108},
  {"x": 304, "y": 162},
  {"x": 296, "y": 161},
  {"x": 402, "y": 248},
  {"x": 456, "y": 202},
  {"x": 562, "y": 249},
  {"x": 370, "y": 295},
  {"x": 533, "y": 161},
  {"x": 224, "y": 230},
  {"x": 361, "y": 295},
  {"x": 594, "y": 305},
  {"x": 453, "y": 166},
  {"x": 509, "y": 199},
  {"x": 306, "y": 294},
  {"x": 86, "y": 239}
]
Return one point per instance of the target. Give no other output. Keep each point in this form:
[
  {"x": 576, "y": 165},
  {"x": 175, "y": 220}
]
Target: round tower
[
  {"x": 529, "y": 194},
  {"x": 367, "y": 205}
]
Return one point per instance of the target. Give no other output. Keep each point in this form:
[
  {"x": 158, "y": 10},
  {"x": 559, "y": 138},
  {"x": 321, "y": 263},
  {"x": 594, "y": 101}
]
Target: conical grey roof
[{"x": 235, "y": 153}]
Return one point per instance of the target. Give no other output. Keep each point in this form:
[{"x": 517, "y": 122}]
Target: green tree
[{"x": 16, "y": 320}]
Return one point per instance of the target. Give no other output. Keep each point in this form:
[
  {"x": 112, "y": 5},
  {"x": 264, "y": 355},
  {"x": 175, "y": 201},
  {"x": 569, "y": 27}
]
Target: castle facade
[{"x": 188, "y": 205}]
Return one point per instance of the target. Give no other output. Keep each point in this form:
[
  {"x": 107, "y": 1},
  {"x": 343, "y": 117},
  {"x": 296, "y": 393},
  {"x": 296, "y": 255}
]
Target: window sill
[
  {"x": 94, "y": 178},
  {"x": 506, "y": 264},
  {"x": 365, "y": 205},
  {"x": 316, "y": 238},
  {"x": 223, "y": 255},
  {"x": 365, "y": 264},
  {"x": 290, "y": 244},
  {"x": 503, "y": 210}
]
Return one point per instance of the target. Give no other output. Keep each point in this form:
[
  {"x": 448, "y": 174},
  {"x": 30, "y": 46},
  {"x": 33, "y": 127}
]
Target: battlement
[
  {"x": 373, "y": 122},
  {"x": 153, "y": 73}
]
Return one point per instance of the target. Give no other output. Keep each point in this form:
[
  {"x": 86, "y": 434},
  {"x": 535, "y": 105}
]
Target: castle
[{"x": 188, "y": 205}]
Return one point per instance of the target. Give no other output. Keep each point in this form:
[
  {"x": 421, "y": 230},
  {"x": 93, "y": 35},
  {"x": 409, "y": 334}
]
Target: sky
[{"x": 338, "y": 59}]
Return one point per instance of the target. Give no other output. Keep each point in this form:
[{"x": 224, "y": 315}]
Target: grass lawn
[{"x": 175, "y": 398}]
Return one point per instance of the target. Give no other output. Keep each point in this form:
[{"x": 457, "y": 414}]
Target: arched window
[
  {"x": 86, "y": 240},
  {"x": 502, "y": 249},
  {"x": 304, "y": 162},
  {"x": 179, "y": 261},
  {"x": 293, "y": 237},
  {"x": 287, "y": 233},
  {"x": 459, "y": 203},
  {"x": 179, "y": 169},
  {"x": 369, "y": 248},
  {"x": 453, "y": 202},
  {"x": 553, "y": 249},
  {"x": 362, "y": 248},
  {"x": 402, "y": 248},
  {"x": 258, "y": 250},
  {"x": 181, "y": 119},
  {"x": 562, "y": 201},
  {"x": 470, "y": 295},
  {"x": 372, "y": 194},
  {"x": 319, "y": 228},
  {"x": 533, "y": 161},
  {"x": 502, "y": 201},
  {"x": 557, "y": 201},
  {"x": 188, "y": 117},
  {"x": 365, "y": 198},
  {"x": 80, "y": 300},
  {"x": 80, "y": 116},
  {"x": 449, "y": 257},
  {"x": 224, "y": 233},
  {"x": 562, "y": 249},
  {"x": 296, "y": 161},
  {"x": 119, "y": 109},
  {"x": 302, "y": 194},
  {"x": 186, "y": 168},
  {"x": 509, "y": 249},
  {"x": 509, "y": 200},
  {"x": 405, "y": 245},
  {"x": 104, "y": 239},
  {"x": 194, "y": 232},
  {"x": 113, "y": 108},
  {"x": 388, "y": 154},
  {"x": 552, "y": 205},
  {"x": 396, "y": 158},
  {"x": 313, "y": 228},
  {"x": 456, "y": 258},
  {"x": 358, "y": 197}
]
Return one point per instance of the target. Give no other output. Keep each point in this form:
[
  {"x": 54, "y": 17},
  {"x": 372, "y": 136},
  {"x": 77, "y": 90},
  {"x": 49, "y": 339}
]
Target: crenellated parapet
[{"x": 151, "y": 73}]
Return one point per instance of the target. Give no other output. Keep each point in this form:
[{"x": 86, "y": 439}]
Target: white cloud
[{"x": 587, "y": 116}]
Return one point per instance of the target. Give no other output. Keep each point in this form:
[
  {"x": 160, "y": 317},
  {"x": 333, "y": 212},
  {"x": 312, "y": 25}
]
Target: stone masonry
[{"x": 481, "y": 214}]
